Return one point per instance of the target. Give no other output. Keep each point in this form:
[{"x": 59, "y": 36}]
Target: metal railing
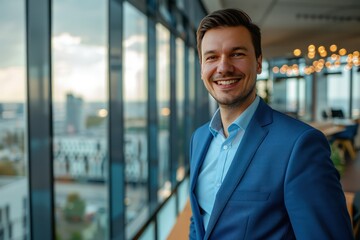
[{"x": 152, "y": 229}]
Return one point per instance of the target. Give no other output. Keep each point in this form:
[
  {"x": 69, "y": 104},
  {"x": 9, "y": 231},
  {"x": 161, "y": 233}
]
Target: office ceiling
[{"x": 290, "y": 24}]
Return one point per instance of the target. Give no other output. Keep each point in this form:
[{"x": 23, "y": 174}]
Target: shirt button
[{"x": 225, "y": 147}]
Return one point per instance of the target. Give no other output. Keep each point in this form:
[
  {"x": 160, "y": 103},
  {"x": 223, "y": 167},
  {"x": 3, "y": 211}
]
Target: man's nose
[{"x": 225, "y": 65}]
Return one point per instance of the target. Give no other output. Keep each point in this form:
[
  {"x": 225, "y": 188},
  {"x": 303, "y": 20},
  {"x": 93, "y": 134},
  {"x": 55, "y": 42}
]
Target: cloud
[
  {"x": 12, "y": 82},
  {"x": 12, "y": 37},
  {"x": 78, "y": 68}
]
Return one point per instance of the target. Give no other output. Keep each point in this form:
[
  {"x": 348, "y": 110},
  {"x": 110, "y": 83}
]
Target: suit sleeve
[
  {"x": 192, "y": 232},
  {"x": 314, "y": 198}
]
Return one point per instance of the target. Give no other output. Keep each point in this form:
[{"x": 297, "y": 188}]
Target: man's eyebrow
[
  {"x": 209, "y": 52},
  {"x": 240, "y": 48}
]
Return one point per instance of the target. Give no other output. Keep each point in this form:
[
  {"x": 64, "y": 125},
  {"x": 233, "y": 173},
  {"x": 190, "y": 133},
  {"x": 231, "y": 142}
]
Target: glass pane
[
  {"x": 190, "y": 119},
  {"x": 356, "y": 94},
  {"x": 149, "y": 233},
  {"x": 183, "y": 194},
  {"x": 13, "y": 153},
  {"x": 135, "y": 114},
  {"x": 338, "y": 93},
  {"x": 295, "y": 96},
  {"x": 163, "y": 105},
  {"x": 291, "y": 95},
  {"x": 192, "y": 75},
  {"x": 301, "y": 90},
  {"x": 79, "y": 47},
  {"x": 180, "y": 104},
  {"x": 166, "y": 218},
  {"x": 278, "y": 96}
]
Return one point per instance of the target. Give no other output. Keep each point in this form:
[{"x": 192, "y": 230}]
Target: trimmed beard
[{"x": 238, "y": 101}]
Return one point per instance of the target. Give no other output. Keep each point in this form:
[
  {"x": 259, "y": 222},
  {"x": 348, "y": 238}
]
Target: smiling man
[{"x": 256, "y": 173}]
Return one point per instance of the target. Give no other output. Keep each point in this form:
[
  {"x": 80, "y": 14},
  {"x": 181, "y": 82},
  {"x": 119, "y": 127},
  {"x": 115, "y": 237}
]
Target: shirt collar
[{"x": 240, "y": 122}]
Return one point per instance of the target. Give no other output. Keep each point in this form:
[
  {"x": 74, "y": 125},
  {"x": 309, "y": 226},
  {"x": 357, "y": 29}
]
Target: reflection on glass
[
  {"x": 180, "y": 104},
  {"x": 163, "y": 105},
  {"x": 135, "y": 118},
  {"x": 80, "y": 146},
  {"x": 191, "y": 92},
  {"x": 13, "y": 153}
]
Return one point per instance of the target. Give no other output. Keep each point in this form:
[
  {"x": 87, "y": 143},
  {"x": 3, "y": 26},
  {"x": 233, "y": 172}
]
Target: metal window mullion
[
  {"x": 153, "y": 183},
  {"x": 187, "y": 112},
  {"x": 116, "y": 186},
  {"x": 174, "y": 159},
  {"x": 39, "y": 116}
]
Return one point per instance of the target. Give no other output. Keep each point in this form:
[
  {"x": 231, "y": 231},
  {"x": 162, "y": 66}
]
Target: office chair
[
  {"x": 337, "y": 113},
  {"x": 345, "y": 139}
]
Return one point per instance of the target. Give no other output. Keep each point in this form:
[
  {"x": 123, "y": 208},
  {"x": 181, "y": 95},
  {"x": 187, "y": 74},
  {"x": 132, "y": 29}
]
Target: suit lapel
[
  {"x": 201, "y": 145},
  {"x": 254, "y": 135}
]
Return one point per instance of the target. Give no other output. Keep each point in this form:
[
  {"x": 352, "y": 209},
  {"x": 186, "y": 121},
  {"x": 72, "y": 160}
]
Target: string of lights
[{"x": 320, "y": 58}]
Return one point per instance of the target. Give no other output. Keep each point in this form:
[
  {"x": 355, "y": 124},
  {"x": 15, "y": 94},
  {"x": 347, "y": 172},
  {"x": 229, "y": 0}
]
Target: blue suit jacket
[{"x": 281, "y": 184}]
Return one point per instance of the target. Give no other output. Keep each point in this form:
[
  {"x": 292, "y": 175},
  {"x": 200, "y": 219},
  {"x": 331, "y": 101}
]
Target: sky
[
  {"x": 79, "y": 54},
  {"x": 79, "y": 51}
]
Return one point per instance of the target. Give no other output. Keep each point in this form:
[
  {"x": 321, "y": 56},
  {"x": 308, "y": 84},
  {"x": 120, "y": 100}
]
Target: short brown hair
[{"x": 229, "y": 18}]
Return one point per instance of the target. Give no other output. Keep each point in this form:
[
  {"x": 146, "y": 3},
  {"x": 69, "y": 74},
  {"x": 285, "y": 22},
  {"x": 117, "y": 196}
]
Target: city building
[{"x": 99, "y": 99}]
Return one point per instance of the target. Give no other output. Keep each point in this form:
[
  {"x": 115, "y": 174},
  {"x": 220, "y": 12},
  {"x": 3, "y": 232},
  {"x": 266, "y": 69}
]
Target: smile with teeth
[{"x": 226, "y": 82}]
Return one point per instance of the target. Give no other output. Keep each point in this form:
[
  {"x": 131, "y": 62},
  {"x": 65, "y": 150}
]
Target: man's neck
[{"x": 230, "y": 113}]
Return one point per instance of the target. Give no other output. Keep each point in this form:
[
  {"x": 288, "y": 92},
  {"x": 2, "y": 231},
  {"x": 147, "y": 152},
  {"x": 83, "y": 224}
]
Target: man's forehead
[{"x": 231, "y": 37}]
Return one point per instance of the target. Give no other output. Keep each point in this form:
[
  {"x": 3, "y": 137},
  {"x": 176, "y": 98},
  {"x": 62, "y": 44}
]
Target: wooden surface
[
  {"x": 328, "y": 128},
  {"x": 349, "y": 203},
  {"x": 181, "y": 228}
]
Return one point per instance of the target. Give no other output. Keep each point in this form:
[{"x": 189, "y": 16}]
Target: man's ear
[
  {"x": 259, "y": 64},
  {"x": 201, "y": 72}
]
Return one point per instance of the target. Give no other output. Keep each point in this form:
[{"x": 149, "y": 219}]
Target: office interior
[{"x": 99, "y": 98}]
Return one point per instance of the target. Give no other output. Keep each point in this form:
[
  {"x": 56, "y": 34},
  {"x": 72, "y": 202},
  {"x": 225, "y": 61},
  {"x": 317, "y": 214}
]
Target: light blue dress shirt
[{"x": 219, "y": 157}]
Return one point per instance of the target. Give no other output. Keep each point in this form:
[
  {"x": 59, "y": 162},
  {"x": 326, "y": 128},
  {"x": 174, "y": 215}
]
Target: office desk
[{"x": 328, "y": 128}]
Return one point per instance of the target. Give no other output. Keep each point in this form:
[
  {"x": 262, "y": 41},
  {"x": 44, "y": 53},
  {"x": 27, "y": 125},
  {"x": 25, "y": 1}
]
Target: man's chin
[{"x": 234, "y": 103}]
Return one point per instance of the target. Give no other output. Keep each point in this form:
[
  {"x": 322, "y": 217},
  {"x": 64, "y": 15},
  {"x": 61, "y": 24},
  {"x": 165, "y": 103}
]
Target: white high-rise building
[{"x": 13, "y": 208}]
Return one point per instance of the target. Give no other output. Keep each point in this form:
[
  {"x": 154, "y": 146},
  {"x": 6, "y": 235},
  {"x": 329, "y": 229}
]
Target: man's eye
[
  {"x": 238, "y": 54},
  {"x": 210, "y": 57}
]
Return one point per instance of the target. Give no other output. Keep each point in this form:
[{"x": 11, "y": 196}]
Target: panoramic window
[
  {"x": 13, "y": 150},
  {"x": 192, "y": 77},
  {"x": 135, "y": 118},
  {"x": 80, "y": 148},
  {"x": 180, "y": 104},
  {"x": 163, "y": 105}
]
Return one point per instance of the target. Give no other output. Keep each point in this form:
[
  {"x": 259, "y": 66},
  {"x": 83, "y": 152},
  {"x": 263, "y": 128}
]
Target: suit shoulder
[
  {"x": 290, "y": 121},
  {"x": 200, "y": 131}
]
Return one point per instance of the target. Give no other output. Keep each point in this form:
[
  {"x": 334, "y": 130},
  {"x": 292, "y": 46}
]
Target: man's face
[{"x": 229, "y": 66}]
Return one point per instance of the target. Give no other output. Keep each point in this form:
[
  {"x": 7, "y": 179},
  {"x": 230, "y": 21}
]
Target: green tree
[
  {"x": 7, "y": 168},
  {"x": 338, "y": 159},
  {"x": 76, "y": 236},
  {"x": 75, "y": 208}
]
